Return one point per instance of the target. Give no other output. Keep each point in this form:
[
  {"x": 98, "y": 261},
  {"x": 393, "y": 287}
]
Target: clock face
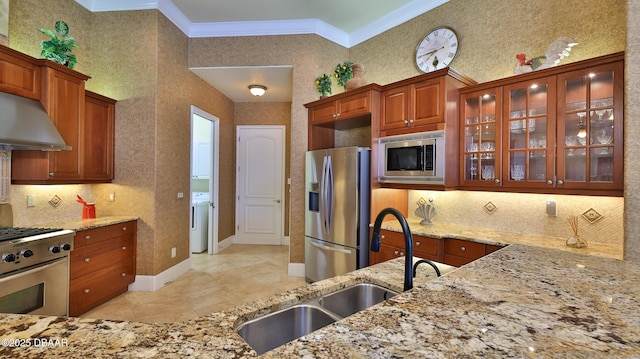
[{"x": 437, "y": 49}]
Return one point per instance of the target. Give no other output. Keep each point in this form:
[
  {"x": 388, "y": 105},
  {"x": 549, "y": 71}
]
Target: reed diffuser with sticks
[{"x": 575, "y": 240}]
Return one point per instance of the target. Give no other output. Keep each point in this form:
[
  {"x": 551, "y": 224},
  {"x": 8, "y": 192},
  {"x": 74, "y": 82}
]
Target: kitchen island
[{"x": 521, "y": 301}]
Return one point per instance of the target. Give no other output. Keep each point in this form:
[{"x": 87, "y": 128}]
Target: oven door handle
[{"x": 29, "y": 270}]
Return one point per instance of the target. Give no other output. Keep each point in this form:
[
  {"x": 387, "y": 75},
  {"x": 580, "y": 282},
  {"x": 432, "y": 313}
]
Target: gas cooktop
[{"x": 7, "y": 234}]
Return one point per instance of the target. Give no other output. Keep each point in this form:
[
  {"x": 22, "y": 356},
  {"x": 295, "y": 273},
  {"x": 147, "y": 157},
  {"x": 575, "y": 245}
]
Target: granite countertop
[
  {"x": 520, "y": 301},
  {"x": 80, "y": 224},
  {"x": 501, "y": 238}
]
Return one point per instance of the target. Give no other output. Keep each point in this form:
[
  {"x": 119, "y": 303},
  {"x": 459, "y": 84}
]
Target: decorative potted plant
[
  {"x": 343, "y": 72},
  {"x": 323, "y": 85},
  {"x": 59, "y": 48}
]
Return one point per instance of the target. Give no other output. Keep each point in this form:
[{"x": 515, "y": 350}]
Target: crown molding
[{"x": 262, "y": 28}]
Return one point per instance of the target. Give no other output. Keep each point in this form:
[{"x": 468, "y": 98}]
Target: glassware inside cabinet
[
  {"x": 480, "y": 137},
  {"x": 588, "y": 127}
]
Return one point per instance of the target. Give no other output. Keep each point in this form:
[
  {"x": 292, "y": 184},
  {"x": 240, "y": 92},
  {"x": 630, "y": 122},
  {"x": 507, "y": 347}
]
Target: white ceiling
[{"x": 345, "y": 22}]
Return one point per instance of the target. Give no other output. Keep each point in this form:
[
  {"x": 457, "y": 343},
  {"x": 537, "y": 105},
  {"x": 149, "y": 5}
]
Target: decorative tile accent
[
  {"x": 55, "y": 200},
  {"x": 490, "y": 207},
  {"x": 592, "y": 215}
]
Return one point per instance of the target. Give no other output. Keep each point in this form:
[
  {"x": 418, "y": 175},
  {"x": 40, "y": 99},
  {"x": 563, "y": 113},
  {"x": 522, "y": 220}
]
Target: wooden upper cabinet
[
  {"x": 85, "y": 122},
  {"x": 557, "y": 130},
  {"x": 18, "y": 74},
  {"x": 354, "y": 108},
  {"x": 413, "y": 105},
  {"x": 98, "y": 137},
  {"x": 420, "y": 103}
]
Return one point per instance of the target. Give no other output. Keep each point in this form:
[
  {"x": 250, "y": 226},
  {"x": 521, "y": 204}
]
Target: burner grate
[{"x": 7, "y": 234}]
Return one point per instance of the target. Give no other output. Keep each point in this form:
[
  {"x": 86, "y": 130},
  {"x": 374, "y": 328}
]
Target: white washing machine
[{"x": 199, "y": 222}]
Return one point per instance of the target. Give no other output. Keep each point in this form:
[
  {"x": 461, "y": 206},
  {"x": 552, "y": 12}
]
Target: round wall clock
[{"x": 437, "y": 49}]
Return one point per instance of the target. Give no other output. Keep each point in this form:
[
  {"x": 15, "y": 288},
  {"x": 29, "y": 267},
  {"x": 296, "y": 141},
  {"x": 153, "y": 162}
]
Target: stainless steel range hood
[{"x": 24, "y": 125}]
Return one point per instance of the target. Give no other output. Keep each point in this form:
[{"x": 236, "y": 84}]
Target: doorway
[
  {"x": 205, "y": 150},
  {"x": 260, "y": 158}
]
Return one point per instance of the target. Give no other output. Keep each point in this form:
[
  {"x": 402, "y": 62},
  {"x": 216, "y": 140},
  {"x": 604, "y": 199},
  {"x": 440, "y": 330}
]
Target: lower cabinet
[
  {"x": 454, "y": 252},
  {"x": 102, "y": 265},
  {"x": 459, "y": 252},
  {"x": 392, "y": 246}
]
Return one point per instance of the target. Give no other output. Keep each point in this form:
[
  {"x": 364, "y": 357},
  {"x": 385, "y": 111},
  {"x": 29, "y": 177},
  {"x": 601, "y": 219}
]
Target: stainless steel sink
[
  {"x": 353, "y": 299},
  {"x": 278, "y": 328}
]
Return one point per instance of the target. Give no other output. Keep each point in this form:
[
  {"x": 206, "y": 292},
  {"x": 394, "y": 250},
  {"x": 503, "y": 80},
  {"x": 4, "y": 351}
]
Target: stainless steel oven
[{"x": 34, "y": 270}]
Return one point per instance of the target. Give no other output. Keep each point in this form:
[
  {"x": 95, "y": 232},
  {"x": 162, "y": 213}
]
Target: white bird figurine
[{"x": 555, "y": 52}]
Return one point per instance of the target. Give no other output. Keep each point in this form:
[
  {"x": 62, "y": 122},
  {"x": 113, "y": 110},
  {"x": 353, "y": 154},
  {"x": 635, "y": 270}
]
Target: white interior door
[
  {"x": 210, "y": 171},
  {"x": 260, "y": 185}
]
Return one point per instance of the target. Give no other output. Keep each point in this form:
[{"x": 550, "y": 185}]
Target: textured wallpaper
[{"x": 141, "y": 59}]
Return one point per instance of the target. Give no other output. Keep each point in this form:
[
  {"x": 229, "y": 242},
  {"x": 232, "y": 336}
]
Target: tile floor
[{"x": 238, "y": 274}]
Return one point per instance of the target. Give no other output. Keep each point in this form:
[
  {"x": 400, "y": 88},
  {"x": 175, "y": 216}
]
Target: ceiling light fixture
[{"x": 257, "y": 90}]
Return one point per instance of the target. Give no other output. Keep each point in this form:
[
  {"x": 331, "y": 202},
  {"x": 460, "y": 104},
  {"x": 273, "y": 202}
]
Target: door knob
[{"x": 277, "y": 200}]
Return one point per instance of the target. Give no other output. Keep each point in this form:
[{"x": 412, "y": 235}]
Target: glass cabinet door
[
  {"x": 529, "y": 134},
  {"x": 480, "y": 150},
  {"x": 590, "y": 132}
]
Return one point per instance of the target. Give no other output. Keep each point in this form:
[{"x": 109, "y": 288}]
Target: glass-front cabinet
[
  {"x": 481, "y": 141},
  {"x": 590, "y": 138},
  {"x": 529, "y": 133},
  {"x": 557, "y": 130}
]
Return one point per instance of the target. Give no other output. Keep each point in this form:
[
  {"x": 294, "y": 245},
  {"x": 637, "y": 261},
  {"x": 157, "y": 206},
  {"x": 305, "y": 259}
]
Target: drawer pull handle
[
  {"x": 124, "y": 248},
  {"x": 124, "y": 228},
  {"x": 87, "y": 260},
  {"x": 87, "y": 237},
  {"x": 124, "y": 274},
  {"x": 462, "y": 249},
  {"x": 86, "y": 291},
  {"x": 417, "y": 244}
]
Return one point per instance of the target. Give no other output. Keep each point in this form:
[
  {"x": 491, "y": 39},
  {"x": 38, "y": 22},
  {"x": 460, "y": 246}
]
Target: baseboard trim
[
  {"x": 225, "y": 243},
  {"x": 287, "y": 241},
  {"x": 296, "y": 270},
  {"x": 151, "y": 283}
]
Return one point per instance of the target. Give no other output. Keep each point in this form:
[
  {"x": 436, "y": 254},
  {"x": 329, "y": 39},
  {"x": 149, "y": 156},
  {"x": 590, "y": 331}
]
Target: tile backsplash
[{"x": 526, "y": 213}]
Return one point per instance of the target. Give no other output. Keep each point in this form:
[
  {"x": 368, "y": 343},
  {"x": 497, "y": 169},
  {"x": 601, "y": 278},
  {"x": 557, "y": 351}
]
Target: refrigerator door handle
[
  {"x": 323, "y": 196},
  {"x": 330, "y": 248},
  {"x": 330, "y": 196}
]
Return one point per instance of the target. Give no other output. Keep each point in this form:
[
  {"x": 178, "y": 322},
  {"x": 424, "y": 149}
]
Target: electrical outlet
[
  {"x": 31, "y": 200},
  {"x": 173, "y": 252},
  {"x": 552, "y": 210},
  {"x": 112, "y": 197},
  {"x": 180, "y": 195}
]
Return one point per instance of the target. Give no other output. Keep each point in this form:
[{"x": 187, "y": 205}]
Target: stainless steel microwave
[{"x": 413, "y": 158}]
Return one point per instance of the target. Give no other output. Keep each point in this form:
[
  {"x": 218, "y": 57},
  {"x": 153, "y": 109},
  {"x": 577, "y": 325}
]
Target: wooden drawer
[
  {"x": 456, "y": 261},
  {"x": 91, "y": 258},
  {"x": 392, "y": 238},
  {"x": 464, "y": 249},
  {"x": 90, "y": 236},
  {"x": 93, "y": 289},
  {"x": 425, "y": 247}
]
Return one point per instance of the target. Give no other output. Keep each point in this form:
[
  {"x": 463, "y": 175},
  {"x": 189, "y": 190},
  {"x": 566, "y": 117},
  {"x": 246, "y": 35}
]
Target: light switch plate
[{"x": 31, "y": 200}]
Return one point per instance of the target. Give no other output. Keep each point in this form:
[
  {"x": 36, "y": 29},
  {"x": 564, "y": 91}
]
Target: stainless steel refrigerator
[{"x": 337, "y": 211}]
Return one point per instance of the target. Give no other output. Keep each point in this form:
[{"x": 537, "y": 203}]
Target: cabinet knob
[
  {"x": 87, "y": 237},
  {"x": 410, "y": 120},
  {"x": 549, "y": 182},
  {"x": 497, "y": 181},
  {"x": 395, "y": 252},
  {"x": 417, "y": 244},
  {"x": 382, "y": 237},
  {"x": 124, "y": 229},
  {"x": 124, "y": 248},
  {"x": 51, "y": 174},
  {"x": 87, "y": 260},
  {"x": 86, "y": 291},
  {"x": 560, "y": 182},
  {"x": 401, "y": 254},
  {"x": 462, "y": 249},
  {"x": 123, "y": 274}
]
